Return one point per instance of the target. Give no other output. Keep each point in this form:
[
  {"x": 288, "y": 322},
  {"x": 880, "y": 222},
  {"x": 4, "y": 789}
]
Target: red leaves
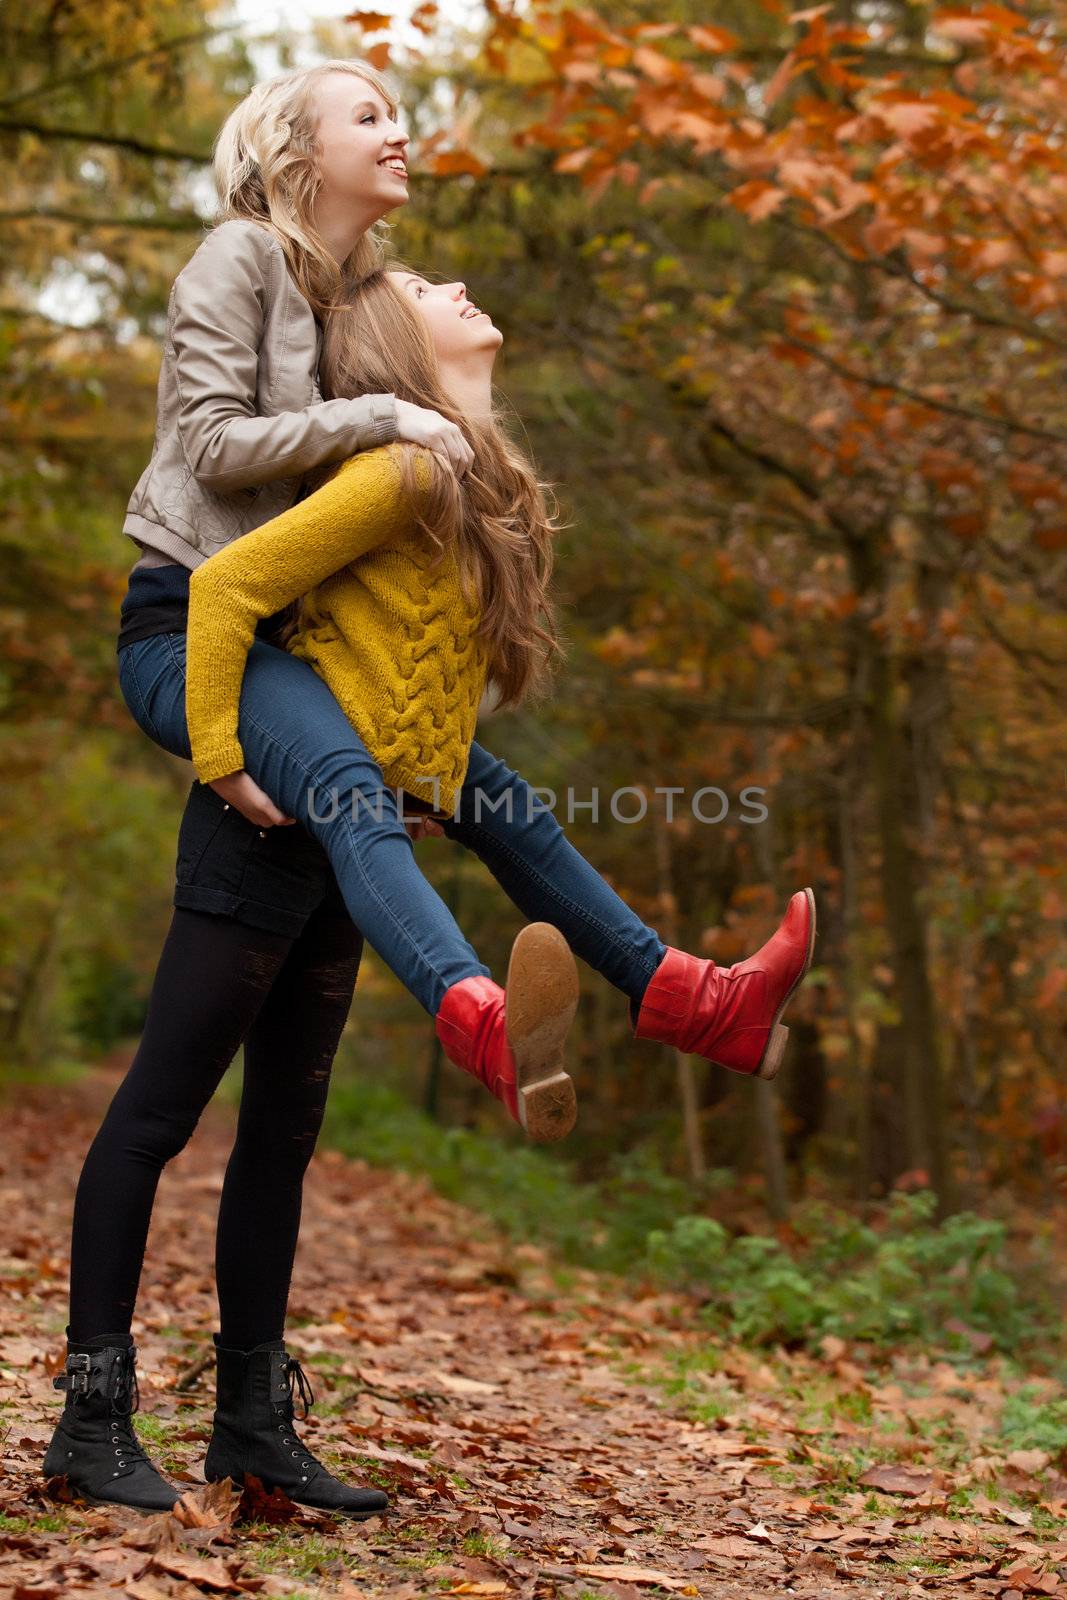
[
  {"x": 939, "y": 174},
  {"x": 561, "y": 1462},
  {"x": 370, "y": 21},
  {"x": 456, "y": 163},
  {"x": 259, "y": 1505},
  {"x": 657, "y": 66},
  {"x": 757, "y": 199},
  {"x": 714, "y": 40}
]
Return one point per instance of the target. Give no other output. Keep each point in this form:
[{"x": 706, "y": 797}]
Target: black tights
[{"x": 218, "y": 984}]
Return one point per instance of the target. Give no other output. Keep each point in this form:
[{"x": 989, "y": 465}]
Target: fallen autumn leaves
[{"x": 519, "y": 1430}]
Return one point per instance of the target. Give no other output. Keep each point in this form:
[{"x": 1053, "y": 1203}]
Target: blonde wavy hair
[
  {"x": 266, "y": 169},
  {"x": 501, "y": 516}
]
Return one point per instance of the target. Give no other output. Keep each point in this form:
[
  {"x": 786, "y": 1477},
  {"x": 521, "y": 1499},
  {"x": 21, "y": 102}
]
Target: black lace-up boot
[
  {"x": 254, "y": 1433},
  {"x": 94, "y": 1444}
]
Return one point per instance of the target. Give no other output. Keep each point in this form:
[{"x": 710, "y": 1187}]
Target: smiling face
[
  {"x": 459, "y": 329},
  {"x": 363, "y": 150}
]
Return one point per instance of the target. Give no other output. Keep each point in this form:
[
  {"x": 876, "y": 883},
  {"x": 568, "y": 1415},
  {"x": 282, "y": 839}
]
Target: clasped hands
[{"x": 241, "y": 791}]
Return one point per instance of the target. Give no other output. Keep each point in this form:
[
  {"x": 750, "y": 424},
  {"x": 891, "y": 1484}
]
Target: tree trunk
[
  {"x": 687, "y": 1095},
  {"x": 767, "y": 1115},
  {"x": 901, "y": 877},
  {"x": 860, "y": 1058}
]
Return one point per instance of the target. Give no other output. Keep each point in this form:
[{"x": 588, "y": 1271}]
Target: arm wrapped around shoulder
[{"x": 218, "y": 314}]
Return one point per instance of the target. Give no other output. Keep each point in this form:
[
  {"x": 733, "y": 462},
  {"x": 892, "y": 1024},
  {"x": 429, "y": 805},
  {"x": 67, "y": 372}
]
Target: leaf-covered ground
[{"x": 540, "y": 1432}]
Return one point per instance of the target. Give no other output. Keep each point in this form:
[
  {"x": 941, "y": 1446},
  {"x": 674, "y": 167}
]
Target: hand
[
  {"x": 422, "y": 828},
  {"x": 242, "y": 792},
  {"x": 418, "y": 425}
]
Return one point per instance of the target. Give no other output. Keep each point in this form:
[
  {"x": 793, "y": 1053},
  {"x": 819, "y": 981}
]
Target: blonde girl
[{"x": 261, "y": 950}]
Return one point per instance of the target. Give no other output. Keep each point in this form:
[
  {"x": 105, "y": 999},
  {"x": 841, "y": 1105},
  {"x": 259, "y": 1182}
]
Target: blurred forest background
[{"x": 783, "y": 304}]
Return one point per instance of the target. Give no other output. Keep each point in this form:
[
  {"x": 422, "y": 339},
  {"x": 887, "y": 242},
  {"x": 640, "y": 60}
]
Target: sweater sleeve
[
  {"x": 215, "y": 325},
  {"x": 360, "y": 507}
]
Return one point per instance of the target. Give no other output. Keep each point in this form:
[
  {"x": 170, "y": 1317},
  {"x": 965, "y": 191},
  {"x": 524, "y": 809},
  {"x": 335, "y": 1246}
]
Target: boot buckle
[{"x": 76, "y": 1377}]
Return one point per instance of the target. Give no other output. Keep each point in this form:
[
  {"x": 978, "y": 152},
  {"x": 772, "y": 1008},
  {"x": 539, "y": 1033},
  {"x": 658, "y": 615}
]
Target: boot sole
[
  {"x": 123, "y": 1505},
  {"x": 540, "y": 1002},
  {"x": 773, "y": 1051},
  {"x": 336, "y": 1511}
]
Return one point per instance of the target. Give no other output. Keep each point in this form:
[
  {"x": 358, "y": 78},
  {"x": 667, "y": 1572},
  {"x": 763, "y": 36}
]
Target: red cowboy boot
[
  {"x": 729, "y": 1015},
  {"x": 512, "y": 1040}
]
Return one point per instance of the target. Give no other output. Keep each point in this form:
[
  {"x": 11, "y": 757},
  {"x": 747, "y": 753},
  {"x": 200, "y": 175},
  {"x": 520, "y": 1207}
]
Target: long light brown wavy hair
[
  {"x": 266, "y": 169},
  {"x": 502, "y": 517}
]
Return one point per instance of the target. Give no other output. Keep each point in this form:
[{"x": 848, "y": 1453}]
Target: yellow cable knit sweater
[{"x": 394, "y": 640}]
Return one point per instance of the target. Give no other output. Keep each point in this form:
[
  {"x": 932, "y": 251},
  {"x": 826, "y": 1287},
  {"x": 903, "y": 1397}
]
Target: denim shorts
[{"x": 271, "y": 878}]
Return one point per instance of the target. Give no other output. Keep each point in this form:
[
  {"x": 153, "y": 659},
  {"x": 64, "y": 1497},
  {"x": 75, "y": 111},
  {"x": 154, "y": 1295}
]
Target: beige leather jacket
[{"x": 239, "y": 412}]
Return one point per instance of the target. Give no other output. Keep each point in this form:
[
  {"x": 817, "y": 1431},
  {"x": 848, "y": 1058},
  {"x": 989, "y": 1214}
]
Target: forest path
[{"x": 526, "y": 1433}]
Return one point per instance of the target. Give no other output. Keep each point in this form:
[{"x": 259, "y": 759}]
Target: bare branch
[
  {"x": 180, "y": 222},
  {"x": 118, "y": 141},
  {"x": 164, "y": 47},
  {"x": 986, "y": 418}
]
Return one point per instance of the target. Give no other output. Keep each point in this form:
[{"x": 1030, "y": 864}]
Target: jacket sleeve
[
  {"x": 361, "y": 506},
  {"x": 217, "y": 313}
]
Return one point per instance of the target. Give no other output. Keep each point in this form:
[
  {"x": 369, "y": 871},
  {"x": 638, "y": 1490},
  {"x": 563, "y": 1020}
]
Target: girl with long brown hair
[{"x": 416, "y": 593}]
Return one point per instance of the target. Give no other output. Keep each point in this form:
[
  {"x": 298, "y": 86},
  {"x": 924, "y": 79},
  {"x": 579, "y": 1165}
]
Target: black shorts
[{"x": 271, "y": 878}]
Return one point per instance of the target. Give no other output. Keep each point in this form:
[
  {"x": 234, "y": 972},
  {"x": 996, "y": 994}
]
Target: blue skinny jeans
[{"x": 302, "y": 751}]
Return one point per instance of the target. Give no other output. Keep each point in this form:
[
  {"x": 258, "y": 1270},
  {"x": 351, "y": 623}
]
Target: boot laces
[
  {"x": 125, "y": 1400},
  {"x": 126, "y": 1390},
  {"x": 299, "y": 1384},
  {"x": 286, "y": 1409}
]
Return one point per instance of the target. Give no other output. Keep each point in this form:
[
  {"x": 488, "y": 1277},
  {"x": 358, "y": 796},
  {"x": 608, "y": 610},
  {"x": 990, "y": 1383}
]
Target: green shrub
[
  {"x": 910, "y": 1279},
  {"x": 1030, "y": 1420},
  {"x": 906, "y": 1280}
]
